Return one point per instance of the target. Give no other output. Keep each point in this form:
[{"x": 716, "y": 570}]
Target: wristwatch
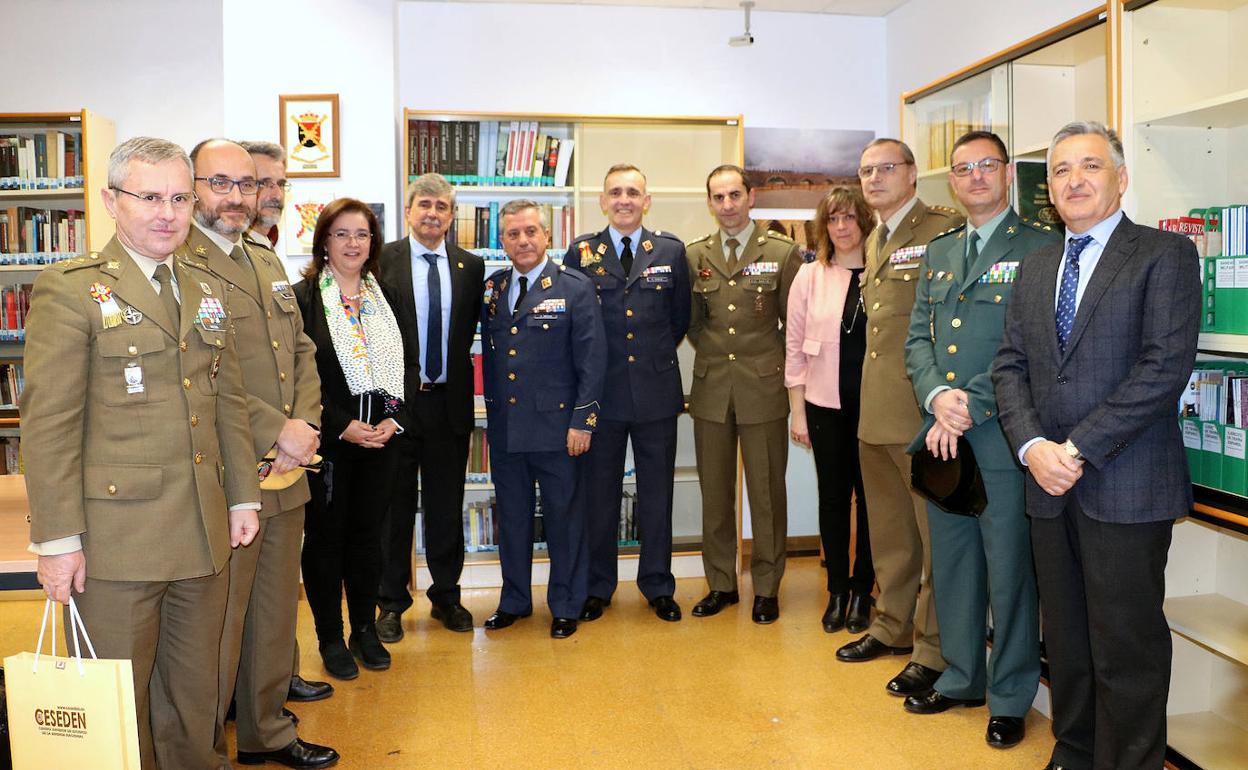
[{"x": 1072, "y": 450}]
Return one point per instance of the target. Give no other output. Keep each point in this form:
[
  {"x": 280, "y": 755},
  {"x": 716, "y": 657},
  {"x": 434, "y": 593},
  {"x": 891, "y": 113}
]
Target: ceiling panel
[{"x": 847, "y": 7}]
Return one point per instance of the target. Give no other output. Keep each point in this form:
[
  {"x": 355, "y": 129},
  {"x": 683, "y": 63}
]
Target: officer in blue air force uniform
[
  {"x": 642, "y": 280},
  {"x": 544, "y": 361}
]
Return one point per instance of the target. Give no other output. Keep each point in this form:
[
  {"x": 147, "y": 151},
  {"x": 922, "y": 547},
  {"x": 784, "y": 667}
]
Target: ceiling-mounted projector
[{"x": 746, "y": 38}]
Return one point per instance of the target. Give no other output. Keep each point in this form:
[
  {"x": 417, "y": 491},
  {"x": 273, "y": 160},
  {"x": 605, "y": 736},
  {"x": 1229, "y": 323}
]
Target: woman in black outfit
[
  {"x": 362, "y": 361},
  {"x": 825, "y": 341}
]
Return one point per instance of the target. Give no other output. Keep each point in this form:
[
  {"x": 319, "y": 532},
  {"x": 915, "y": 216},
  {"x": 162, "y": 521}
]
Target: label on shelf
[
  {"x": 1191, "y": 434},
  {"x": 1212, "y": 439},
  {"x": 1235, "y": 443}
]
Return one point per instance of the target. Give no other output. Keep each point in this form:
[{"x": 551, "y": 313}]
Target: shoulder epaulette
[
  {"x": 258, "y": 244},
  {"x": 1034, "y": 225},
  {"x": 706, "y": 237},
  {"x": 584, "y": 238},
  {"x": 76, "y": 263},
  {"x": 950, "y": 231},
  {"x": 668, "y": 235},
  {"x": 780, "y": 236},
  {"x": 944, "y": 211}
]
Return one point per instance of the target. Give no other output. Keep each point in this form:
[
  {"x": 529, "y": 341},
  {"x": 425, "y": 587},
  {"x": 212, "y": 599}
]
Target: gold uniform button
[
  {"x": 905, "y": 277},
  {"x": 194, "y": 420},
  {"x": 931, "y": 301},
  {"x": 562, "y": 405},
  {"x": 987, "y": 412},
  {"x": 182, "y": 346},
  {"x": 512, "y": 352},
  {"x": 877, "y": 281},
  {"x": 186, "y": 383},
  {"x": 961, "y": 298},
  {"x": 199, "y": 457},
  {"x": 875, "y": 330},
  {"x": 112, "y": 489},
  {"x": 629, "y": 312},
  {"x": 957, "y": 323},
  {"x": 132, "y": 350},
  {"x": 997, "y": 298},
  {"x": 281, "y": 376},
  {"x": 269, "y": 313},
  {"x": 952, "y": 348},
  {"x": 732, "y": 356},
  {"x": 628, "y": 336},
  {"x": 276, "y": 345},
  {"x": 875, "y": 306},
  {"x": 732, "y": 283},
  {"x": 545, "y": 326},
  {"x": 732, "y": 330},
  {"x": 514, "y": 330},
  {"x": 286, "y": 408},
  {"x": 511, "y": 376},
  {"x": 873, "y": 354},
  {"x": 951, "y": 376},
  {"x": 511, "y": 400},
  {"x": 732, "y": 308},
  {"x": 632, "y": 359}
]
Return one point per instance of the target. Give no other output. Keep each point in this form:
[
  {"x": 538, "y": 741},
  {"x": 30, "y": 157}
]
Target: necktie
[
  {"x": 972, "y": 255},
  {"x": 626, "y": 256},
  {"x": 1065, "y": 314},
  {"x": 164, "y": 277},
  {"x": 883, "y": 238},
  {"x": 239, "y": 255},
  {"x": 524, "y": 289},
  {"x": 732, "y": 244},
  {"x": 433, "y": 339}
]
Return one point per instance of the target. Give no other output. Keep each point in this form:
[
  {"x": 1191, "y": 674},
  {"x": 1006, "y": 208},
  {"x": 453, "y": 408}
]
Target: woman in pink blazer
[{"x": 825, "y": 340}]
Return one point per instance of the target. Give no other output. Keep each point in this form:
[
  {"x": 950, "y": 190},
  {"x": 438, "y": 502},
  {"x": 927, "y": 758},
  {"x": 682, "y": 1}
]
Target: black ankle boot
[
  {"x": 834, "y": 615},
  {"x": 859, "y": 613}
]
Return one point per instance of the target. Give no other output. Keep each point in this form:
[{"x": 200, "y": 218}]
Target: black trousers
[
  {"x": 430, "y": 464},
  {"x": 834, "y": 440},
  {"x": 342, "y": 536},
  {"x": 1101, "y": 590}
]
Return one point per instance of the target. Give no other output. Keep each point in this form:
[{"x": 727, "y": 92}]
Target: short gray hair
[
  {"x": 431, "y": 185},
  {"x": 906, "y": 153},
  {"x": 267, "y": 149},
  {"x": 511, "y": 208},
  {"x": 146, "y": 149},
  {"x": 1081, "y": 127}
]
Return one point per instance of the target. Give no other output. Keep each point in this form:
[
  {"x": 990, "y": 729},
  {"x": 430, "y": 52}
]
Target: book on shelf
[
  {"x": 1213, "y": 417},
  {"x": 1031, "y": 178},
  {"x": 14, "y": 307},
  {"x": 475, "y": 226},
  {"x": 27, "y": 230},
  {"x": 478, "y": 470},
  {"x": 518, "y": 153},
  {"x": 38, "y": 160},
  {"x": 14, "y": 463},
  {"x": 478, "y": 375},
  {"x": 12, "y": 382}
]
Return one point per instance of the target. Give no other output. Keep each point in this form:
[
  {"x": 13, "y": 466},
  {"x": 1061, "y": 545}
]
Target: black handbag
[{"x": 954, "y": 485}]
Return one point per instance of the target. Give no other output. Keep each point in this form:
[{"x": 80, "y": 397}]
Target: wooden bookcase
[
  {"x": 95, "y": 137},
  {"x": 675, "y": 153}
]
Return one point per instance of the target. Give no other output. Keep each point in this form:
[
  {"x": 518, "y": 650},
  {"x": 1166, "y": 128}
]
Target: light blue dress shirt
[
  {"x": 617, "y": 240},
  {"x": 420, "y": 290},
  {"x": 513, "y": 292}
]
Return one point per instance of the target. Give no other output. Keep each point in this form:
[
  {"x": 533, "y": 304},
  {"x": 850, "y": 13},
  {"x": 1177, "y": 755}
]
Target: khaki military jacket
[
  {"x": 278, "y": 360},
  {"x": 735, "y": 327},
  {"x": 890, "y": 414},
  {"x": 135, "y": 432}
]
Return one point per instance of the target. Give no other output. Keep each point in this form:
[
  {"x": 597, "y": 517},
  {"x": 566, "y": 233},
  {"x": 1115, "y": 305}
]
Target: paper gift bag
[{"x": 70, "y": 712}]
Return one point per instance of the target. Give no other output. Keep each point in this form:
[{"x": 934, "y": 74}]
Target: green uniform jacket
[
  {"x": 958, "y": 322},
  {"x": 278, "y": 360},
  {"x": 889, "y": 414},
  {"x": 735, "y": 327},
  {"x": 135, "y": 436}
]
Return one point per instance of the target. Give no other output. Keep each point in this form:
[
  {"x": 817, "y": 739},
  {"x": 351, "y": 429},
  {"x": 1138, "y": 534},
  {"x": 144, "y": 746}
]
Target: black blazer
[
  {"x": 1115, "y": 390},
  {"x": 338, "y": 405},
  {"x": 467, "y": 282}
]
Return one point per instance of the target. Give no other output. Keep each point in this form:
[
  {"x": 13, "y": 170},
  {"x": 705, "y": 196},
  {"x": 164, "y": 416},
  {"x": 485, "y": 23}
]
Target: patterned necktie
[
  {"x": 626, "y": 256},
  {"x": 524, "y": 289},
  {"x": 1065, "y": 314},
  {"x": 732, "y": 244},
  {"x": 433, "y": 339},
  {"x": 164, "y": 277}
]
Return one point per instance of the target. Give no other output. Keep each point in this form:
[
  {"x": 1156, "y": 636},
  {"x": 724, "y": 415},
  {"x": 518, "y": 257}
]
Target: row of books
[
  {"x": 478, "y": 456},
  {"x": 489, "y": 152},
  {"x": 13, "y": 461},
  {"x": 14, "y": 307},
  {"x": 476, "y": 227},
  {"x": 35, "y": 258},
  {"x": 481, "y": 525},
  {"x": 39, "y": 160},
  {"x": 25, "y": 230},
  {"x": 12, "y": 381},
  {"x": 946, "y": 124},
  {"x": 1213, "y": 415},
  {"x": 1220, "y": 235}
]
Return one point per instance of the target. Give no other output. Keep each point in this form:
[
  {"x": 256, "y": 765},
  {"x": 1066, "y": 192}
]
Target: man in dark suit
[
  {"x": 1100, "y": 339},
  {"x": 437, "y": 287},
  {"x": 545, "y": 360},
  {"x": 642, "y": 280}
]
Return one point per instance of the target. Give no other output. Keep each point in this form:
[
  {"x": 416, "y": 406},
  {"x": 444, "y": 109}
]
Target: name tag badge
[{"x": 134, "y": 379}]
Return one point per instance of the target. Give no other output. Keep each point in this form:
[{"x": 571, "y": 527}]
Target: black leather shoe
[
  {"x": 914, "y": 679},
  {"x": 389, "y": 626},
  {"x": 868, "y": 648},
  {"x": 1004, "y": 732},
  {"x": 932, "y": 702},
  {"x": 455, "y": 617},
  {"x": 501, "y": 619},
  {"x": 338, "y": 661},
  {"x": 302, "y": 691},
  {"x": 666, "y": 608},
  {"x": 562, "y": 628},
  {"x": 593, "y": 608},
  {"x": 766, "y": 610},
  {"x": 715, "y": 601},
  {"x": 859, "y": 618},
  {"x": 365, "y": 645},
  {"x": 298, "y": 754},
  {"x": 294, "y": 720},
  {"x": 834, "y": 616},
  {"x": 1054, "y": 766}
]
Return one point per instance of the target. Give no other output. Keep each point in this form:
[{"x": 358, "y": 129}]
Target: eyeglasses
[
  {"x": 1089, "y": 167},
  {"x": 179, "y": 201},
  {"x": 343, "y": 236},
  {"x": 987, "y": 165},
  {"x": 221, "y": 185},
  {"x": 273, "y": 184},
  {"x": 884, "y": 169}
]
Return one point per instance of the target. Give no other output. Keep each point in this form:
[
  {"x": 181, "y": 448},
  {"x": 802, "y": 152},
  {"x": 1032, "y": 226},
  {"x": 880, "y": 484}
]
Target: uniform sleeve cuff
[
  {"x": 57, "y": 547},
  {"x": 936, "y": 391}
]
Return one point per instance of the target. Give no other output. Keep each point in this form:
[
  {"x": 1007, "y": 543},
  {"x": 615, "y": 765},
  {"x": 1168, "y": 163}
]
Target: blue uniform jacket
[
  {"x": 645, "y": 315},
  {"x": 544, "y": 366}
]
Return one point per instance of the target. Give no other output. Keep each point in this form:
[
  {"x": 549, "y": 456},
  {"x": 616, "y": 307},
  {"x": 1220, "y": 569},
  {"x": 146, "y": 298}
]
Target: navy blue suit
[
  {"x": 544, "y": 367},
  {"x": 645, "y": 313}
]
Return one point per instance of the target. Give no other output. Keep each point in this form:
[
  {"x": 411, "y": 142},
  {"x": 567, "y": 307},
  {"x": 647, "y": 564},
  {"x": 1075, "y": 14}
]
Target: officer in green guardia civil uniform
[{"x": 956, "y": 326}]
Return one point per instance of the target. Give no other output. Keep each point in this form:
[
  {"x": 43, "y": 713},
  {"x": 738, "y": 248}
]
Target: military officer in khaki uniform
[
  {"x": 134, "y": 428},
  {"x": 741, "y": 275},
  {"x": 283, "y": 403},
  {"x": 906, "y": 621}
]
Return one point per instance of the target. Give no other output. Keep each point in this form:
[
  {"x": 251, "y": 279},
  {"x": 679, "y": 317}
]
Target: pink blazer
[{"x": 812, "y": 350}]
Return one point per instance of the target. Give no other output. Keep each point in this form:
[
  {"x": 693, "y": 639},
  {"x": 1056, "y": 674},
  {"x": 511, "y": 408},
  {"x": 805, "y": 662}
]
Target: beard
[
  {"x": 267, "y": 220},
  {"x": 212, "y": 220}
]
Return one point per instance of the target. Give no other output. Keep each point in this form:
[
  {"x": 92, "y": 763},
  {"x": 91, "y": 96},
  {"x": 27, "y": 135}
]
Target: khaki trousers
[{"x": 902, "y": 552}]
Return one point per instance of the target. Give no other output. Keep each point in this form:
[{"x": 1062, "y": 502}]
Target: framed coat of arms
[{"x": 309, "y": 132}]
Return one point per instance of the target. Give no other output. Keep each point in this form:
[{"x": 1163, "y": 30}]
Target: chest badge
[{"x": 132, "y": 315}]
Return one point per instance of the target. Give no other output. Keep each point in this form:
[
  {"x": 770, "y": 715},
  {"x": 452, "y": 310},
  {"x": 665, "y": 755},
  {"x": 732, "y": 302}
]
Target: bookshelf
[
  {"x": 53, "y": 166},
  {"x": 675, "y": 153}
]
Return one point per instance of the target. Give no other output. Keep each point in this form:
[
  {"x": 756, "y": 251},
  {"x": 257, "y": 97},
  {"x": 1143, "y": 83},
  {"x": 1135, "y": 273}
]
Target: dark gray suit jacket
[{"x": 1114, "y": 392}]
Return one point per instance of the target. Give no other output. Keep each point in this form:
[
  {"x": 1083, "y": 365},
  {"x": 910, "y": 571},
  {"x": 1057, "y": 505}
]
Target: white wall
[
  {"x": 151, "y": 66},
  {"x": 928, "y": 39}
]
